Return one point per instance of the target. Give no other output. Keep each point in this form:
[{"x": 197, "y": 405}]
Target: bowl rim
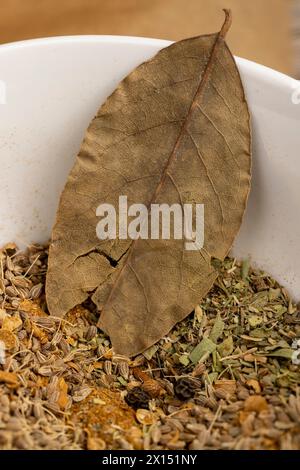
[{"x": 250, "y": 67}]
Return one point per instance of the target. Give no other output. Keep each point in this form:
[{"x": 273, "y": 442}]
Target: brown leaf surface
[{"x": 176, "y": 130}]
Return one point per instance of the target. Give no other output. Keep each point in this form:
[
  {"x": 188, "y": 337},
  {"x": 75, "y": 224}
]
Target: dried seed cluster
[{"x": 222, "y": 379}]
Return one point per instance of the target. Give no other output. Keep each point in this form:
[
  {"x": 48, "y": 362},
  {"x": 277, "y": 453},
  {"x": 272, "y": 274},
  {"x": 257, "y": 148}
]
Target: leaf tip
[{"x": 227, "y": 23}]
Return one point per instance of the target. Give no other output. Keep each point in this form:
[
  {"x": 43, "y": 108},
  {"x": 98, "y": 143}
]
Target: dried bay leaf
[{"x": 176, "y": 130}]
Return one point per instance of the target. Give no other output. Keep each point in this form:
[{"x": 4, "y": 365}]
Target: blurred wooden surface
[
  {"x": 296, "y": 36},
  {"x": 260, "y": 31}
]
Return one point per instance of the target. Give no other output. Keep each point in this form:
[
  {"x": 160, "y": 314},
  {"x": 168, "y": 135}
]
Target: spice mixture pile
[{"x": 227, "y": 377}]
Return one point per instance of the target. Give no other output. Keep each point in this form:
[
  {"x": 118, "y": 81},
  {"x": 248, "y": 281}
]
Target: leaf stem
[{"x": 227, "y": 23}]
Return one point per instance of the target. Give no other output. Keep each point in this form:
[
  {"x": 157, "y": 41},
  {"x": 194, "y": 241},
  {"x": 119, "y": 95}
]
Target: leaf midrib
[{"x": 219, "y": 39}]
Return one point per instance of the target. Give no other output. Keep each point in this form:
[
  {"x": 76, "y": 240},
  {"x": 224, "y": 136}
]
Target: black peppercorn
[
  {"x": 137, "y": 398},
  {"x": 185, "y": 388}
]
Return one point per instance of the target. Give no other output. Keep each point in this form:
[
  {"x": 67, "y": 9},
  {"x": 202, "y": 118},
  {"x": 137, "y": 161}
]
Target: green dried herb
[
  {"x": 217, "y": 329},
  {"x": 202, "y": 350},
  {"x": 226, "y": 347}
]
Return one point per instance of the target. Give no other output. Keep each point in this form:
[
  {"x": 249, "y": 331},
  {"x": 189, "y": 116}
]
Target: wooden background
[
  {"x": 295, "y": 19},
  {"x": 261, "y": 28}
]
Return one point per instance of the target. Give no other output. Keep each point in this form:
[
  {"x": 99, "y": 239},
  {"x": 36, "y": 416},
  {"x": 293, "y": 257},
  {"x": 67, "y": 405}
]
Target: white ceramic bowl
[{"x": 53, "y": 89}]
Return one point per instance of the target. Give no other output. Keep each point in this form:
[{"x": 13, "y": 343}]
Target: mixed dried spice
[{"x": 227, "y": 377}]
